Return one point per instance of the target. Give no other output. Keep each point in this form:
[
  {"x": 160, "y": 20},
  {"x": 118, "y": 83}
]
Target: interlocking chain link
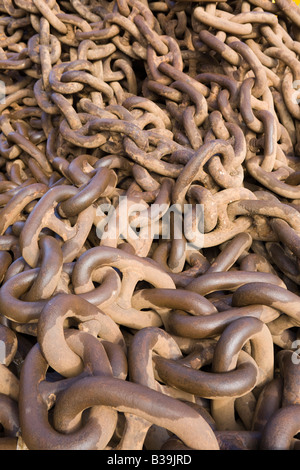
[{"x": 169, "y": 328}]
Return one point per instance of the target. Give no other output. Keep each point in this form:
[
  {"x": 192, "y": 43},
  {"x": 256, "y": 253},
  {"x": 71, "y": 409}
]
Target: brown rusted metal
[{"x": 133, "y": 336}]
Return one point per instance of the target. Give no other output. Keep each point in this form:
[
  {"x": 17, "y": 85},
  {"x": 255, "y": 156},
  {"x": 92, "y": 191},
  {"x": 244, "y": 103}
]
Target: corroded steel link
[
  {"x": 268, "y": 402},
  {"x": 287, "y": 87},
  {"x": 282, "y": 331},
  {"x": 50, "y": 329},
  {"x": 9, "y": 190},
  {"x": 208, "y": 384},
  {"x": 223, "y": 81},
  {"x": 280, "y": 429},
  {"x": 80, "y": 169},
  {"x": 144, "y": 179},
  {"x": 145, "y": 342},
  {"x": 115, "y": 233},
  {"x": 266, "y": 208},
  {"x": 44, "y": 215},
  {"x": 163, "y": 302},
  {"x": 10, "y": 342},
  {"x": 287, "y": 235},
  {"x": 16, "y": 267},
  {"x": 288, "y": 7},
  {"x": 272, "y": 180},
  {"x": 256, "y": 262},
  {"x": 242, "y": 330},
  {"x": 101, "y": 185},
  {"x": 260, "y": 82},
  {"x": 274, "y": 296},
  {"x": 10, "y": 303},
  {"x": 247, "y": 112},
  {"x": 133, "y": 269},
  {"x": 221, "y": 23},
  {"x": 6, "y": 261},
  {"x": 9, "y": 386},
  {"x": 225, "y": 51},
  {"x": 117, "y": 358},
  {"x": 199, "y": 327},
  {"x": 31, "y": 149},
  {"x": 270, "y": 139},
  {"x": 152, "y": 161},
  {"x": 197, "y": 261},
  {"x": 232, "y": 281},
  {"x": 73, "y": 77},
  {"x": 193, "y": 168},
  {"x": 106, "y": 293},
  {"x": 44, "y": 54},
  {"x": 290, "y": 376},
  {"x": 160, "y": 207},
  {"x": 113, "y": 125},
  {"x": 44, "y": 436},
  {"x": 9, "y": 383},
  {"x": 159, "y": 66},
  {"x": 232, "y": 251},
  {"x": 15, "y": 206},
  {"x": 203, "y": 196},
  {"x": 136, "y": 102},
  {"x": 285, "y": 263},
  {"x": 166, "y": 299},
  {"x": 51, "y": 265},
  {"x": 95, "y": 362},
  {"x": 126, "y": 324},
  {"x": 48, "y": 13},
  {"x": 84, "y": 11},
  {"x": 49, "y": 437},
  {"x": 10, "y": 243},
  {"x": 80, "y": 137},
  {"x": 120, "y": 391},
  {"x": 9, "y": 417}
]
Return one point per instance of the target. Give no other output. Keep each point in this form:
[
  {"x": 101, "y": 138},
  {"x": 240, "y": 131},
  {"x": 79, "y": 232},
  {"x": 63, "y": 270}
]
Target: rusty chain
[{"x": 116, "y": 332}]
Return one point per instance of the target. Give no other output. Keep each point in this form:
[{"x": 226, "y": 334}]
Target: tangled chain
[{"x": 124, "y": 343}]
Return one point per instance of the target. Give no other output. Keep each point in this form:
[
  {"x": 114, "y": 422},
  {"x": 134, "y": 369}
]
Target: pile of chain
[{"x": 140, "y": 343}]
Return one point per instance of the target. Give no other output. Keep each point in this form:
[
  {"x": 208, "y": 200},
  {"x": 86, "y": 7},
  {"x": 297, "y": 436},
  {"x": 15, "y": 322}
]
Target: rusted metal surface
[{"x": 116, "y": 334}]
